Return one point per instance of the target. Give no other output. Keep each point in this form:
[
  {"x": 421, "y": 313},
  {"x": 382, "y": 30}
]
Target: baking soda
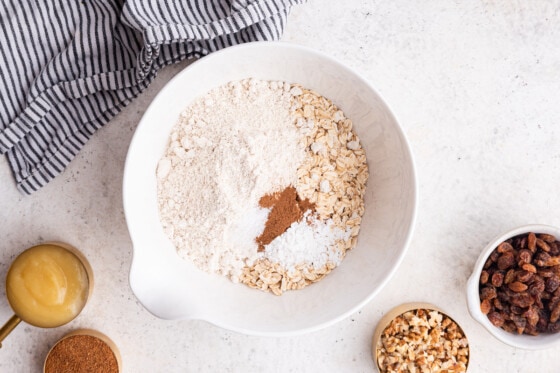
[{"x": 308, "y": 241}]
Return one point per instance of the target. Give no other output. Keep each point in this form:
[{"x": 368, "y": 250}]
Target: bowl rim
[
  {"x": 526, "y": 342},
  {"x": 407, "y": 150}
]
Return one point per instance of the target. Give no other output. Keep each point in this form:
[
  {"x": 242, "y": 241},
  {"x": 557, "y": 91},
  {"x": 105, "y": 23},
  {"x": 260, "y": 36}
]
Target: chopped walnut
[{"x": 422, "y": 341}]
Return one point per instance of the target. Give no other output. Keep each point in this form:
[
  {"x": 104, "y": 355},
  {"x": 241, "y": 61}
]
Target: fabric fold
[{"x": 67, "y": 68}]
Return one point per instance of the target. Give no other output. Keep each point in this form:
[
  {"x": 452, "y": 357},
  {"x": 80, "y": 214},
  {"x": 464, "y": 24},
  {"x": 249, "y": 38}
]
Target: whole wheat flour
[{"x": 228, "y": 149}]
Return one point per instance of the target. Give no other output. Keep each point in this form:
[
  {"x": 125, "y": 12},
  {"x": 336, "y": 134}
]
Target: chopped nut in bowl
[
  {"x": 419, "y": 337},
  {"x": 514, "y": 290}
]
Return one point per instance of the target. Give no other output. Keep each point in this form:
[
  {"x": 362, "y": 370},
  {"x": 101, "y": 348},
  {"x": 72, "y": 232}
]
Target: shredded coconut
[{"x": 309, "y": 241}]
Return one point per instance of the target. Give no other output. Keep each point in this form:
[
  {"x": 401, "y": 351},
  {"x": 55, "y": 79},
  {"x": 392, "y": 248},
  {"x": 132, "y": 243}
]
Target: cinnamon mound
[{"x": 286, "y": 208}]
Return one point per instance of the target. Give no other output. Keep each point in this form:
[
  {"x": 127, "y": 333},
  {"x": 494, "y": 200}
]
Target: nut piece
[{"x": 422, "y": 340}]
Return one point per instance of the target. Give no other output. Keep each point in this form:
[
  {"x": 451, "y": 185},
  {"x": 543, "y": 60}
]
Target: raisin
[
  {"x": 510, "y": 276},
  {"x": 532, "y": 242},
  {"x": 532, "y": 316},
  {"x": 520, "y": 323},
  {"x": 537, "y": 286},
  {"x": 524, "y": 276},
  {"x": 498, "y": 304},
  {"x": 541, "y": 258},
  {"x": 488, "y": 292},
  {"x": 539, "y": 300},
  {"x": 529, "y": 268},
  {"x": 498, "y": 278},
  {"x": 504, "y": 247},
  {"x": 554, "y": 248},
  {"x": 552, "y": 261},
  {"x": 547, "y": 237},
  {"x": 485, "y": 306},
  {"x": 517, "y": 286},
  {"x": 509, "y": 326},
  {"x": 484, "y": 277},
  {"x": 546, "y": 272},
  {"x": 506, "y": 260},
  {"x": 553, "y": 328},
  {"x": 530, "y": 330},
  {"x": 520, "y": 242},
  {"x": 552, "y": 284},
  {"x": 496, "y": 318},
  {"x": 524, "y": 257},
  {"x": 543, "y": 245},
  {"x": 554, "y": 312},
  {"x": 522, "y": 300}
]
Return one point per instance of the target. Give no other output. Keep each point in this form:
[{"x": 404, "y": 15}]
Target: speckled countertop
[{"x": 475, "y": 85}]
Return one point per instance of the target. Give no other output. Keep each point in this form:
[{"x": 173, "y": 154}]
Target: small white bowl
[
  {"x": 523, "y": 341},
  {"x": 173, "y": 288}
]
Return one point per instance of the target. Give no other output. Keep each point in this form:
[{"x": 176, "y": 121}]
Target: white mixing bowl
[{"x": 173, "y": 288}]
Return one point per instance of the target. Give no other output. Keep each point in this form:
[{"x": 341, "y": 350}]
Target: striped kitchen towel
[{"x": 68, "y": 67}]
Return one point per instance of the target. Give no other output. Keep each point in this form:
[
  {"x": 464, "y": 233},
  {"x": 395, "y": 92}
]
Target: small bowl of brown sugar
[
  {"x": 514, "y": 289},
  {"x": 419, "y": 337},
  {"x": 82, "y": 351}
]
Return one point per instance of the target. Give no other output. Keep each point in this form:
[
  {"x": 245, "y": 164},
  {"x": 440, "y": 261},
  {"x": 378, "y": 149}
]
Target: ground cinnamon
[
  {"x": 80, "y": 354},
  {"x": 286, "y": 208}
]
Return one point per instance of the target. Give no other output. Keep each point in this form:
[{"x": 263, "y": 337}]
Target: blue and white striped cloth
[{"x": 68, "y": 67}]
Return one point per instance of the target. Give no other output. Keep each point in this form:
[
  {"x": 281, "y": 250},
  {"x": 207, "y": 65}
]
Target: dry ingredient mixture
[
  {"x": 263, "y": 182},
  {"x": 81, "y": 354},
  {"x": 422, "y": 341},
  {"x": 520, "y": 285}
]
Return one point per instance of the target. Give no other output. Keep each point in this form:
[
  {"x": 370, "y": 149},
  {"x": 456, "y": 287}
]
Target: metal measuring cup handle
[{"x": 8, "y": 327}]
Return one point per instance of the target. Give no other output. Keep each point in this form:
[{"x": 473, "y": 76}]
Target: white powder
[
  {"x": 309, "y": 241},
  {"x": 228, "y": 149}
]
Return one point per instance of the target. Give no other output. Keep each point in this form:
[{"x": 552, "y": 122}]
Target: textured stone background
[{"x": 475, "y": 86}]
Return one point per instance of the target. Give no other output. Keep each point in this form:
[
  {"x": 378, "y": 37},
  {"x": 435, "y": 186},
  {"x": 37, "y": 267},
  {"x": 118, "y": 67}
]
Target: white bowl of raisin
[{"x": 514, "y": 290}]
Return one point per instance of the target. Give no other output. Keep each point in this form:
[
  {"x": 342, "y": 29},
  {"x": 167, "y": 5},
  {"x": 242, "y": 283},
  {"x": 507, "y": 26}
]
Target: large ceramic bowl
[{"x": 173, "y": 288}]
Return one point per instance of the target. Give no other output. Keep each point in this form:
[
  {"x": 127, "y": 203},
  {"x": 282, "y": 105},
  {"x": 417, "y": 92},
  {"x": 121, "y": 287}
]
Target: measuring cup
[{"x": 47, "y": 286}]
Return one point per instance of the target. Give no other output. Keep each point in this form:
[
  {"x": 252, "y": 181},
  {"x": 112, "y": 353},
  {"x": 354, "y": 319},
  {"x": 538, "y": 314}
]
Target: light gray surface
[{"x": 475, "y": 87}]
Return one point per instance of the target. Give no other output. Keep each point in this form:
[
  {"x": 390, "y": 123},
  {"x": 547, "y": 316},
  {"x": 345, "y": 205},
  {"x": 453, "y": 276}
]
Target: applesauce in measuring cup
[{"x": 47, "y": 286}]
